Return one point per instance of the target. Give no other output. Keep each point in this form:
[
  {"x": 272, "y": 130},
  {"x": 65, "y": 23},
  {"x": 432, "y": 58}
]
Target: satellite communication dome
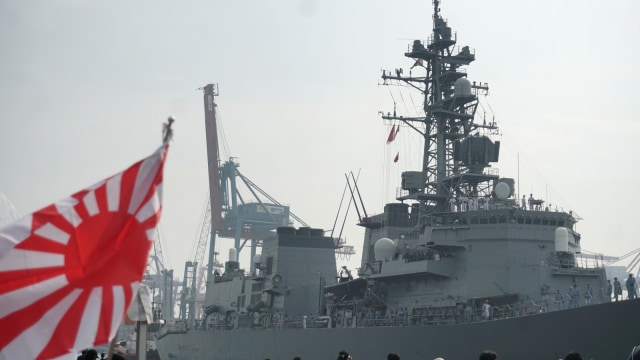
[
  {"x": 257, "y": 259},
  {"x": 232, "y": 254},
  {"x": 384, "y": 249},
  {"x": 503, "y": 190},
  {"x": 462, "y": 87},
  {"x": 562, "y": 239}
]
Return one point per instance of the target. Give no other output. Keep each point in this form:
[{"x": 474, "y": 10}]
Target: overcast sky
[{"x": 86, "y": 85}]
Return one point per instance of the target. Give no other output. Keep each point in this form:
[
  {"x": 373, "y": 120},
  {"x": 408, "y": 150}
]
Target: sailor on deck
[
  {"x": 559, "y": 298},
  {"x": 486, "y": 310},
  {"x": 588, "y": 294},
  {"x": 617, "y": 288},
  {"x": 345, "y": 275},
  {"x": 473, "y": 203},
  {"x": 531, "y": 199},
  {"x": 523, "y": 203},
  {"x": 463, "y": 203},
  {"x": 631, "y": 287},
  {"x": 452, "y": 203}
]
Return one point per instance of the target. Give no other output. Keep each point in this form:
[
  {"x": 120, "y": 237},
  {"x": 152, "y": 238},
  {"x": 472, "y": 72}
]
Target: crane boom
[
  {"x": 251, "y": 185},
  {"x": 213, "y": 161},
  {"x": 201, "y": 245}
]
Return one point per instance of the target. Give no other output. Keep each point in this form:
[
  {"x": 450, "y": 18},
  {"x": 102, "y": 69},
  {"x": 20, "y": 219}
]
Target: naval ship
[{"x": 457, "y": 265}]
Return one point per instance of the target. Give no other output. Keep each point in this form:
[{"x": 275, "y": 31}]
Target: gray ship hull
[{"x": 601, "y": 332}]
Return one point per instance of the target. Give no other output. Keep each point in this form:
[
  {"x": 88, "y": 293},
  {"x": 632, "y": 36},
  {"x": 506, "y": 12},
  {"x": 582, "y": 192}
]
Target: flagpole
[
  {"x": 112, "y": 346},
  {"x": 167, "y": 131},
  {"x": 141, "y": 340}
]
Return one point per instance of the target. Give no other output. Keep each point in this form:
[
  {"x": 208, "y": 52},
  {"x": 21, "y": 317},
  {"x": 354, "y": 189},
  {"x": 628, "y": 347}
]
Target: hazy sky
[{"x": 85, "y": 86}]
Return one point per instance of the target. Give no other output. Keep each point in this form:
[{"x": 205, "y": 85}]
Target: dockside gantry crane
[{"x": 230, "y": 215}]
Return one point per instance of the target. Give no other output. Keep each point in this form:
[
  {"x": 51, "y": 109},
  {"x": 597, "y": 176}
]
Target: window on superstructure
[
  {"x": 257, "y": 286},
  {"x": 255, "y": 298},
  {"x": 269, "y": 268}
]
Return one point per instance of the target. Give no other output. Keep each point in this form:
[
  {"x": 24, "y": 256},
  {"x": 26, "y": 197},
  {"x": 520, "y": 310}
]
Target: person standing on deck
[
  {"x": 486, "y": 310},
  {"x": 523, "y": 203},
  {"x": 588, "y": 294},
  {"x": 617, "y": 288},
  {"x": 531, "y": 201},
  {"x": 559, "y": 300},
  {"x": 631, "y": 287},
  {"x": 571, "y": 297},
  {"x": 609, "y": 290},
  {"x": 452, "y": 203}
]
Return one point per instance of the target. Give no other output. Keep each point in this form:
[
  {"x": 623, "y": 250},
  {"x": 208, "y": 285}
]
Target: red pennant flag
[
  {"x": 69, "y": 271},
  {"x": 419, "y": 62},
  {"x": 395, "y": 159},
  {"x": 393, "y": 133}
]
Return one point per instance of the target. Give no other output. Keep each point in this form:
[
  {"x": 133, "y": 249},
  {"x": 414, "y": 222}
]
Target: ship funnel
[
  {"x": 384, "y": 249},
  {"x": 232, "y": 255}
]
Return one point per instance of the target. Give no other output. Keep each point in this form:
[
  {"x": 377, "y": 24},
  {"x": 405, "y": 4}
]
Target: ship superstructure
[
  {"x": 459, "y": 235},
  {"x": 460, "y": 263}
]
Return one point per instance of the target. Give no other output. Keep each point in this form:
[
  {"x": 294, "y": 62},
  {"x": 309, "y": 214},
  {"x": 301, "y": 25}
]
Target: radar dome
[
  {"x": 462, "y": 87},
  {"x": 257, "y": 259},
  {"x": 232, "y": 254},
  {"x": 503, "y": 190},
  {"x": 562, "y": 239},
  {"x": 384, "y": 249}
]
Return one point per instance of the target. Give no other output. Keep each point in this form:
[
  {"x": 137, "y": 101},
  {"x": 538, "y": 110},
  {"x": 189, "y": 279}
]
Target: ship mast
[{"x": 450, "y": 103}]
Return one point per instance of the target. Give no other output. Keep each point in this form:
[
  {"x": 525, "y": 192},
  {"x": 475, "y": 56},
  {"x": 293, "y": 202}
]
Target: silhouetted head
[
  {"x": 573, "y": 356},
  {"x": 343, "y": 355},
  {"x": 91, "y": 355},
  {"x": 488, "y": 355},
  {"x": 393, "y": 356}
]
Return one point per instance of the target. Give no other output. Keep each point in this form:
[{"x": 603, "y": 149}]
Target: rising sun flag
[{"x": 69, "y": 271}]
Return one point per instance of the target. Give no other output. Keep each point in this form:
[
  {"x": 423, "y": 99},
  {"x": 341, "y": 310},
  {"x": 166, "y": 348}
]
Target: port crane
[{"x": 229, "y": 214}]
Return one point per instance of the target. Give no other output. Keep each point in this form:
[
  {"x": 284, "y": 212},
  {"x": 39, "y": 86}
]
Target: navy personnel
[
  {"x": 588, "y": 294},
  {"x": 617, "y": 288},
  {"x": 631, "y": 287}
]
